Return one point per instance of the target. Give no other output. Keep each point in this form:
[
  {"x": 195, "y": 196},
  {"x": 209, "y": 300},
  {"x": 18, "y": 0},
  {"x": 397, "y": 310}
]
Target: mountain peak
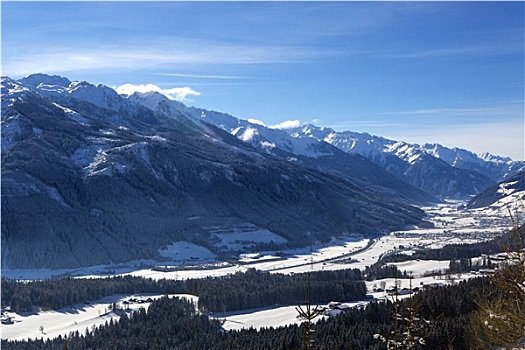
[
  {"x": 492, "y": 158},
  {"x": 100, "y": 95},
  {"x": 45, "y": 79},
  {"x": 157, "y": 102}
]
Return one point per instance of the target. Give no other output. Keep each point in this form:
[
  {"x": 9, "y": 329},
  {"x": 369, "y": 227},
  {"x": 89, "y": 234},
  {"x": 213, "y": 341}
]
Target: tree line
[
  {"x": 240, "y": 291},
  {"x": 448, "y": 252},
  {"x": 174, "y": 324}
]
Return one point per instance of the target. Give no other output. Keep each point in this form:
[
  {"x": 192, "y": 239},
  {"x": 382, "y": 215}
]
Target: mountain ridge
[
  {"x": 370, "y": 146},
  {"x": 412, "y": 164},
  {"x": 306, "y": 151}
]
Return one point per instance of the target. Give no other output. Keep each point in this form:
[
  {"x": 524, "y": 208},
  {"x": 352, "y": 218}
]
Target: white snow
[
  {"x": 408, "y": 153},
  {"x": 77, "y": 318},
  {"x": 266, "y": 144},
  {"x": 182, "y": 251},
  {"x": 11, "y": 129},
  {"x": 84, "y": 155},
  {"x": 506, "y": 188},
  {"x": 71, "y": 114},
  {"x": 53, "y": 193},
  {"x": 261, "y": 318},
  {"x": 243, "y": 236}
]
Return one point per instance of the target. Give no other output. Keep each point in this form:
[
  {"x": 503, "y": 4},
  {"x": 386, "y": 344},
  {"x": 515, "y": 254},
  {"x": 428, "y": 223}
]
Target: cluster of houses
[
  {"x": 135, "y": 300},
  {"x": 334, "y": 308}
]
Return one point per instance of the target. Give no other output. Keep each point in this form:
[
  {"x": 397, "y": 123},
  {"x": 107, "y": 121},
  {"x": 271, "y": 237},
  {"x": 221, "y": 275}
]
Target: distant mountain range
[
  {"x": 437, "y": 170},
  {"x": 92, "y": 177}
]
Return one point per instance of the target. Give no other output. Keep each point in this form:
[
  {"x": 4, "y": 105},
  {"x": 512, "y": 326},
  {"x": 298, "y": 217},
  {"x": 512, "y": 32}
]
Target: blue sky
[{"x": 447, "y": 72}]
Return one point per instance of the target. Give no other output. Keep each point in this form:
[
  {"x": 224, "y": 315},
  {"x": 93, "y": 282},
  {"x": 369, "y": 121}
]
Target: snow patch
[
  {"x": 73, "y": 115},
  {"x": 242, "y": 236},
  {"x": 506, "y": 188},
  {"x": 11, "y": 130},
  {"x": 266, "y": 144},
  {"x": 77, "y": 318},
  {"x": 53, "y": 193},
  {"x": 181, "y": 251}
]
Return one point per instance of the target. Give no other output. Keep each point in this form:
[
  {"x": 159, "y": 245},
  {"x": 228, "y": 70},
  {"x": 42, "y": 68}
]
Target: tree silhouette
[{"x": 309, "y": 314}]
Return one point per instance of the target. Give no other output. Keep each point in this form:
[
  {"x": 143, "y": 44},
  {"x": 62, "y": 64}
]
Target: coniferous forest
[
  {"x": 240, "y": 291},
  {"x": 174, "y": 323}
]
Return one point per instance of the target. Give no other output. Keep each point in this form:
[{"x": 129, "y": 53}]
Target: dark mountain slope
[{"x": 305, "y": 151}]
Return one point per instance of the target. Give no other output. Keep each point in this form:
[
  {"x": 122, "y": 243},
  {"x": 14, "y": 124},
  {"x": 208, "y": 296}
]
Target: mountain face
[
  {"x": 434, "y": 170},
  {"x": 495, "y": 167},
  {"x": 90, "y": 177},
  {"x": 509, "y": 192},
  {"x": 442, "y": 172},
  {"x": 305, "y": 151}
]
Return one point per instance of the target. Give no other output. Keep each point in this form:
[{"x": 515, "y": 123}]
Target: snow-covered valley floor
[{"x": 452, "y": 224}]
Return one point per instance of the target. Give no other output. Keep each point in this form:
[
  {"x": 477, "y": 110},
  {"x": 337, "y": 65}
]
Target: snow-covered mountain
[
  {"x": 441, "y": 171},
  {"x": 305, "y": 151},
  {"x": 508, "y": 194},
  {"x": 257, "y": 135},
  {"x": 91, "y": 177},
  {"x": 496, "y": 167}
]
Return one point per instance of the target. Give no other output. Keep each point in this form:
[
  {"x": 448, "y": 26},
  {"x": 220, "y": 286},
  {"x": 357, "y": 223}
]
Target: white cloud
[
  {"x": 177, "y": 94},
  {"x": 249, "y": 134},
  {"x": 256, "y": 121},
  {"x": 180, "y": 93},
  {"x": 288, "y": 124},
  {"x": 129, "y": 89},
  {"x": 478, "y": 50},
  {"x": 445, "y": 111}
]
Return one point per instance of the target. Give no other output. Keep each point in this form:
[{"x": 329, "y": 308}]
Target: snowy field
[
  {"x": 51, "y": 324},
  {"x": 452, "y": 224}
]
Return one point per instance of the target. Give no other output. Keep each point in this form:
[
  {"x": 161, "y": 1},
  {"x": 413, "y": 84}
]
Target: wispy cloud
[
  {"x": 178, "y": 93},
  {"x": 505, "y": 109},
  {"x": 204, "y": 76},
  {"x": 442, "y": 111},
  {"x": 509, "y": 42},
  {"x": 468, "y": 51},
  {"x": 60, "y": 59}
]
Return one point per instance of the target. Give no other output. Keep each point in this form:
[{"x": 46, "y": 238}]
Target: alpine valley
[{"x": 92, "y": 177}]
